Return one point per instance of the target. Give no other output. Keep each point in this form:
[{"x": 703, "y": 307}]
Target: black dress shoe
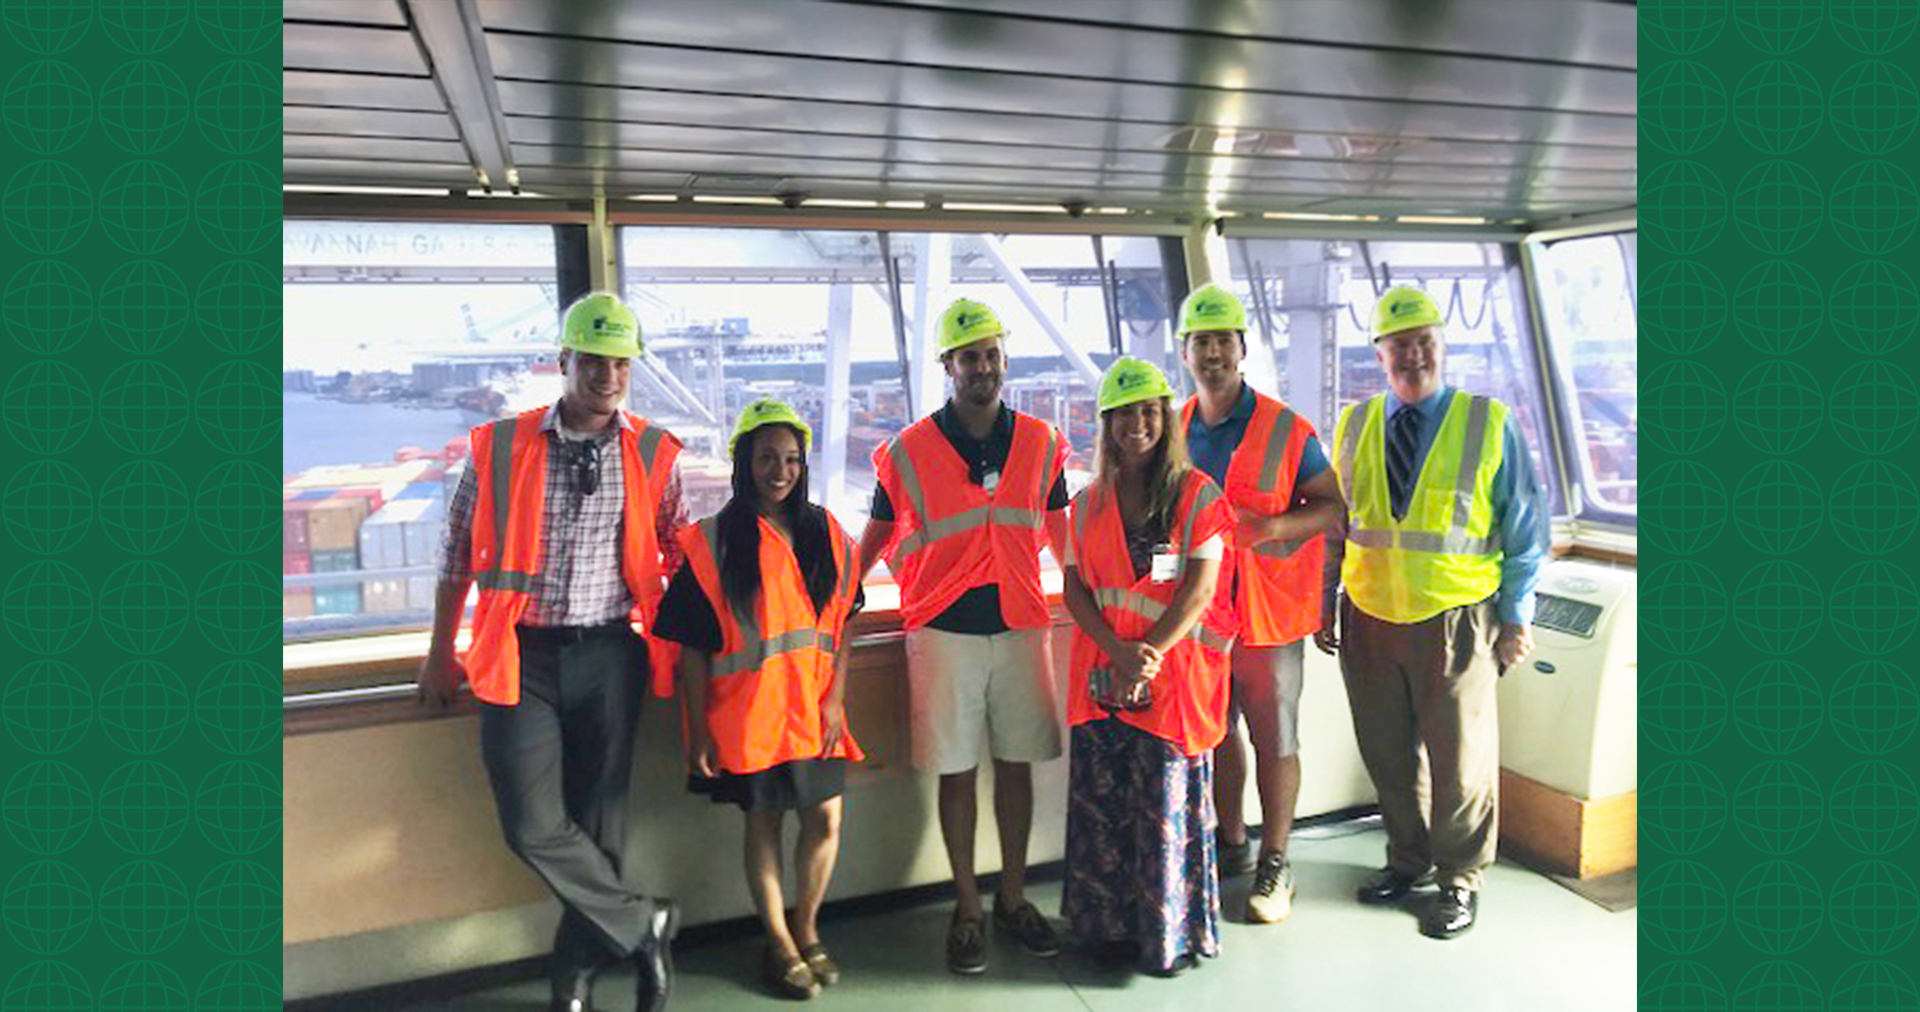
[
  {"x": 653, "y": 960},
  {"x": 1389, "y": 885},
  {"x": 1452, "y": 913},
  {"x": 573, "y": 993},
  {"x": 572, "y": 978}
]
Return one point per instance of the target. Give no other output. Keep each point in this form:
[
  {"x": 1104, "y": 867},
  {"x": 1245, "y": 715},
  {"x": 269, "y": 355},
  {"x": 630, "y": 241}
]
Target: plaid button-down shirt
[{"x": 578, "y": 581}]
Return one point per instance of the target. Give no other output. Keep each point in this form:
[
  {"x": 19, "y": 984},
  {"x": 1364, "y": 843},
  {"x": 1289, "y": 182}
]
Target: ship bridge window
[
  {"x": 1588, "y": 292},
  {"x": 1309, "y": 303},
  {"x": 831, "y": 321},
  {"x": 399, "y": 338}
]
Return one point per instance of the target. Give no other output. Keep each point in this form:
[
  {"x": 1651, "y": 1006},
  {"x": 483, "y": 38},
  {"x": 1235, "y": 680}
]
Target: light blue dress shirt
[{"x": 1519, "y": 507}]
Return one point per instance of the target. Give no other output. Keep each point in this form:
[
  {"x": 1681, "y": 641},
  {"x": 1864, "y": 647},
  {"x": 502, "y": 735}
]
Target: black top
[
  {"x": 976, "y": 612},
  {"x": 686, "y": 616}
]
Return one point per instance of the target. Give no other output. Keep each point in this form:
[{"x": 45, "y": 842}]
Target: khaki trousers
[{"x": 1423, "y": 701}]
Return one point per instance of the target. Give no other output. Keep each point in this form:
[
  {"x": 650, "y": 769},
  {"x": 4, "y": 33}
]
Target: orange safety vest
[
  {"x": 1190, "y": 693},
  {"x": 775, "y": 665},
  {"x": 955, "y": 535},
  {"x": 1279, "y": 596},
  {"x": 510, "y": 467}
]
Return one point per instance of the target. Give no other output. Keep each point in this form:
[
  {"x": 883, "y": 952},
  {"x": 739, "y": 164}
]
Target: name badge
[
  {"x": 1166, "y": 563},
  {"x": 990, "y": 480}
]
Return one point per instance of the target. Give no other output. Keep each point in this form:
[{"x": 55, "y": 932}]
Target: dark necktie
[{"x": 1403, "y": 441}]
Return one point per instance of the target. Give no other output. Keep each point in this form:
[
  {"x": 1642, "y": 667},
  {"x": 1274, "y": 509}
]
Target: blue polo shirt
[{"x": 1212, "y": 446}]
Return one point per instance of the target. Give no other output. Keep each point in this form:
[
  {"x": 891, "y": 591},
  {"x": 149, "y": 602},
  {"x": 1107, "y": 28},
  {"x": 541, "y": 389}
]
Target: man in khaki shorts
[
  {"x": 1275, "y": 473},
  {"x": 965, "y": 498}
]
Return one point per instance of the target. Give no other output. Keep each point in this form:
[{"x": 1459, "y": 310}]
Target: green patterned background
[
  {"x": 1778, "y": 803},
  {"x": 142, "y": 794}
]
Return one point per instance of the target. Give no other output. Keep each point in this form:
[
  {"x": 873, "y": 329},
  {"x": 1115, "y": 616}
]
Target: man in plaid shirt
[{"x": 557, "y": 721}]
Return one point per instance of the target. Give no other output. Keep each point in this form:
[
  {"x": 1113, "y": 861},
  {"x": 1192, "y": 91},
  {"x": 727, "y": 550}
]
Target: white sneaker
[{"x": 1272, "y": 898}]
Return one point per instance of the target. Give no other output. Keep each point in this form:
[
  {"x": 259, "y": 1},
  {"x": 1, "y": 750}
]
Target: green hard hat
[
  {"x": 965, "y": 322},
  {"x": 1129, "y": 380},
  {"x": 767, "y": 411},
  {"x": 1211, "y": 307},
  {"x": 599, "y": 324},
  {"x": 1402, "y": 308}
]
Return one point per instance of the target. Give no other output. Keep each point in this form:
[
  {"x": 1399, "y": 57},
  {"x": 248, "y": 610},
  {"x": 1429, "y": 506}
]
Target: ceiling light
[
  {"x": 705, "y": 198},
  {"x": 1439, "y": 219},
  {"x": 368, "y": 191},
  {"x": 1009, "y": 208}
]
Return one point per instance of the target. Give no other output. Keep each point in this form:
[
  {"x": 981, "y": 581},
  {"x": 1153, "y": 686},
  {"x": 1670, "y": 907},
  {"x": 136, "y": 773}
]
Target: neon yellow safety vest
[{"x": 1445, "y": 553}]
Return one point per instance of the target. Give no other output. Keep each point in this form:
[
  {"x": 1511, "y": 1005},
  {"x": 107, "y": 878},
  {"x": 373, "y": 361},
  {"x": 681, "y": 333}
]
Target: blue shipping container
[{"x": 336, "y": 600}]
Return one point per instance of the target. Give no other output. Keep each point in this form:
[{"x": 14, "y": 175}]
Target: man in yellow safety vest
[{"x": 1446, "y": 532}]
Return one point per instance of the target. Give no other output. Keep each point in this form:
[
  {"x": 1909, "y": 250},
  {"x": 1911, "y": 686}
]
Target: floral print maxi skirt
[{"x": 1140, "y": 849}]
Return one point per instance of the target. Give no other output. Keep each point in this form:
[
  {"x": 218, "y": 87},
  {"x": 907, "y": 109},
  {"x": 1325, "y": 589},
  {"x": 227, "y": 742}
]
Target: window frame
[{"x": 1587, "y": 508}]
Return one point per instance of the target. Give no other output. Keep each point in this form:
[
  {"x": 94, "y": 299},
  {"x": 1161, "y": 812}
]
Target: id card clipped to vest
[
  {"x": 1166, "y": 563},
  {"x": 990, "y": 481}
]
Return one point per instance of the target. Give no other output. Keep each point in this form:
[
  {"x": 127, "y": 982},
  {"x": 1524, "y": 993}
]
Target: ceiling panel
[
  {"x": 1051, "y": 125},
  {"x": 1381, "y": 199},
  {"x": 360, "y": 172},
  {"x": 1049, "y": 185},
  {"x": 1146, "y": 149},
  {"x": 1363, "y": 106},
  {"x": 1601, "y": 34},
  {"x": 373, "y": 148},
  {"x": 368, "y": 123},
  {"x": 796, "y": 78},
  {"x": 1192, "y": 172},
  {"x": 365, "y": 91},
  {"x": 362, "y": 12},
  {"x": 365, "y": 50},
  {"x": 961, "y": 41}
]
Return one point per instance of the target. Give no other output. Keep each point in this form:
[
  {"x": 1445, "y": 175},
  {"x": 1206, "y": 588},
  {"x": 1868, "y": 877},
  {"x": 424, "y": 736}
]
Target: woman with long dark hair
[
  {"x": 761, "y": 608},
  {"x": 1147, "y": 580}
]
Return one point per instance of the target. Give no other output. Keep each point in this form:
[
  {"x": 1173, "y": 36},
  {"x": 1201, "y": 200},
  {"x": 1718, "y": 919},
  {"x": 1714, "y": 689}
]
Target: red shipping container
[
  {"x": 296, "y": 563},
  {"x": 299, "y": 604}
]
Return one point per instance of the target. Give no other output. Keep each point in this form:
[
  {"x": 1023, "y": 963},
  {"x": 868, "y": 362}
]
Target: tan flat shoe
[
  {"x": 825, "y": 970},
  {"x": 788, "y": 978}
]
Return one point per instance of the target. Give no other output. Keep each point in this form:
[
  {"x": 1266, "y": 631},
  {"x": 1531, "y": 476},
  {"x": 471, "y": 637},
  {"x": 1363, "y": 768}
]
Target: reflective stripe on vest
[
  {"x": 977, "y": 517},
  {"x": 756, "y": 648},
  {"x": 1277, "y": 440},
  {"x": 1151, "y": 610},
  {"x": 501, "y": 452}
]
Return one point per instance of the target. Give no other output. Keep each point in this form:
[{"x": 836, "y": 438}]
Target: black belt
[{"x": 562, "y": 635}]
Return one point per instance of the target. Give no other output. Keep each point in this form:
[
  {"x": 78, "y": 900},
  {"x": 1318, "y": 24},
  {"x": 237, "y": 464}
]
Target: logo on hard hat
[{"x": 1131, "y": 379}]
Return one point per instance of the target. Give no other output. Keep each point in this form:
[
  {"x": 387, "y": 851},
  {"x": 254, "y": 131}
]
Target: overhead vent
[
  {"x": 1361, "y": 147},
  {"x": 739, "y": 183},
  {"x": 1205, "y": 139}
]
